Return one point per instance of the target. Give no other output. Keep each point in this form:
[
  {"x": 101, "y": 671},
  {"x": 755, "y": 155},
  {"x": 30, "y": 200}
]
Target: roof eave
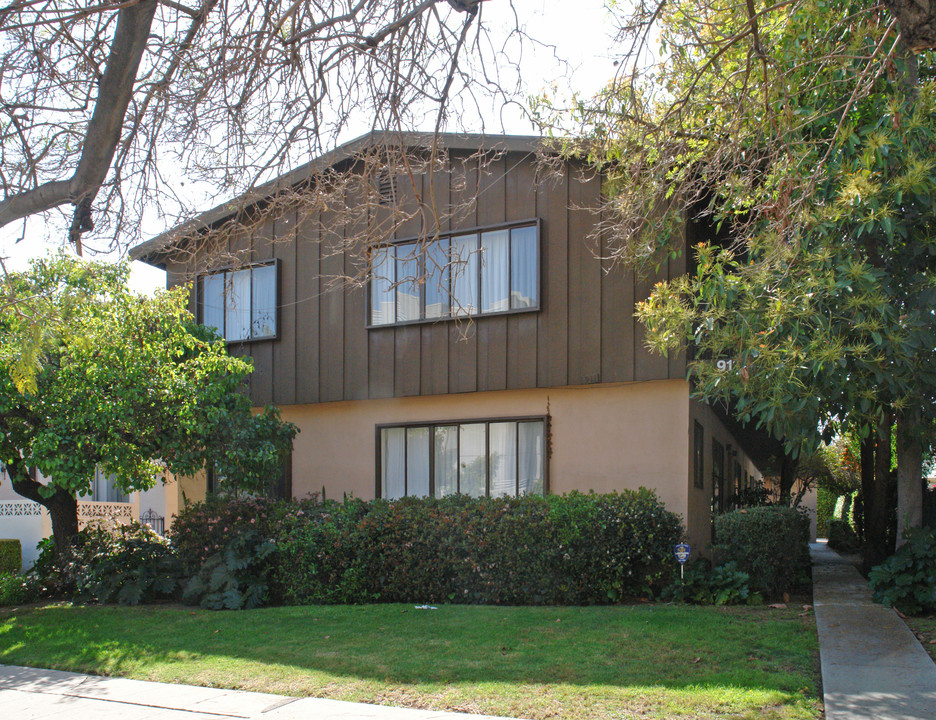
[{"x": 150, "y": 250}]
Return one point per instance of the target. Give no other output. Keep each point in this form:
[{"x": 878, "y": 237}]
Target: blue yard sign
[{"x": 681, "y": 551}]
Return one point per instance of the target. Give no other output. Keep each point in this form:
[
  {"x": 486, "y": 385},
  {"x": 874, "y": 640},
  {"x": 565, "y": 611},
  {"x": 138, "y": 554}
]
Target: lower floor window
[{"x": 478, "y": 458}]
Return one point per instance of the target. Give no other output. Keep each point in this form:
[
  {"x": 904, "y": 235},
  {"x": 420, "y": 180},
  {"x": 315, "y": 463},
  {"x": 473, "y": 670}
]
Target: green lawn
[
  {"x": 648, "y": 661},
  {"x": 925, "y": 630}
]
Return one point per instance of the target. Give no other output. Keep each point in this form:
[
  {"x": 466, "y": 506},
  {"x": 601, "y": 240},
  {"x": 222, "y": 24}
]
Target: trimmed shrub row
[
  {"x": 11, "y": 556},
  {"x": 770, "y": 544},
  {"x": 574, "y": 549}
]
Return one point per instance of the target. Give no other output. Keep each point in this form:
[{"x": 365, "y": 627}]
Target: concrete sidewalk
[
  {"x": 872, "y": 665},
  {"x": 33, "y": 694}
]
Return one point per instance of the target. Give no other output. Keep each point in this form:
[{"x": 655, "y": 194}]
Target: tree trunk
[
  {"x": 787, "y": 478},
  {"x": 875, "y": 550},
  {"x": 63, "y": 509},
  {"x": 909, "y": 474},
  {"x": 867, "y": 484},
  {"x": 917, "y": 19},
  {"x": 62, "y": 505}
]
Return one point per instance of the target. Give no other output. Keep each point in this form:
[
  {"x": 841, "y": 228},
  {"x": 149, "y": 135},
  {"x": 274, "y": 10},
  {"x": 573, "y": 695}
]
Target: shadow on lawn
[{"x": 661, "y": 646}]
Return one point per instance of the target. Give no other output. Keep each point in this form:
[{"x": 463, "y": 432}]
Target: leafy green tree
[
  {"x": 92, "y": 376},
  {"x": 804, "y": 133}
]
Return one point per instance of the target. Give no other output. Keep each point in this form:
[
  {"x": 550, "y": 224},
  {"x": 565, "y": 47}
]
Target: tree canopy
[
  {"x": 803, "y": 134},
  {"x": 125, "y": 384}
]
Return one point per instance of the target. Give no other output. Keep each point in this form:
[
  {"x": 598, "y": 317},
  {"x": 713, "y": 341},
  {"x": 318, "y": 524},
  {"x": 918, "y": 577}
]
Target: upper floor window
[
  {"x": 240, "y": 303},
  {"x": 474, "y": 273},
  {"x": 476, "y": 458}
]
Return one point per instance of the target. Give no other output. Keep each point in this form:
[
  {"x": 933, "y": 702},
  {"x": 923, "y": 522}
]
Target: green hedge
[
  {"x": 11, "y": 556},
  {"x": 907, "y": 579},
  {"x": 842, "y": 537},
  {"x": 572, "y": 549},
  {"x": 825, "y": 510},
  {"x": 771, "y": 544}
]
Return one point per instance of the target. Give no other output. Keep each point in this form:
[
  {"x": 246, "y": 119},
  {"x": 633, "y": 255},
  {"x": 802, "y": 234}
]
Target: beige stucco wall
[
  {"x": 179, "y": 491},
  {"x": 603, "y": 438},
  {"x": 700, "y": 499}
]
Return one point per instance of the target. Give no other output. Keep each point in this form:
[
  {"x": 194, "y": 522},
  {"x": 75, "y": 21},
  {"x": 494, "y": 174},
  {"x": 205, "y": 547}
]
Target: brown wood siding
[
  {"x": 520, "y": 191},
  {"x": 583, "y": 333},
  {"x": 553, "y": 330},
  {"x": 434, "y": 337},
  {"x": 407, "y": 339},
  {"x": 308, "y": 308},
  {"x": 331, "y": 323},
  {"x": 262, "y": 352},
  {"x": 356, "y": 351},
  {"x": 492, "y": 334},
  {"x": 585, "y": 281},
  {"x": 463, "y": 334},
  {"x": 284, "y": 351}
]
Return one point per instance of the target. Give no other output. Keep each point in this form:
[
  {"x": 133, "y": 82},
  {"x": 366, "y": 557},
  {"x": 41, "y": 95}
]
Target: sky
[{"x": 579, "y": 36}]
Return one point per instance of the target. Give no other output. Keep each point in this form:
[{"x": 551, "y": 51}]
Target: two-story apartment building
[{"x": 490, "y": 348}]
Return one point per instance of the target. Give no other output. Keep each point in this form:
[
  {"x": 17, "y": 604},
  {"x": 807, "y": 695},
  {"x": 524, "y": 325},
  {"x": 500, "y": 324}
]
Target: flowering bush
[
  {"x": 202, "y": 530},
  {"x": 129, "y": 564}
]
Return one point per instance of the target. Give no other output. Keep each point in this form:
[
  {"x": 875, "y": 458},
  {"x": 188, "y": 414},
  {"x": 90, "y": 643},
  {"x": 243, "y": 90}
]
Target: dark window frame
[
  {"x": 422, "y": 245},
  {"x": 698, "y": 455},
  {"x": 200, "y": 297},
  {"x": 718, "y": 476},
  {"x": 278, "y": 488},
  {"x": 487, "y": 421}
]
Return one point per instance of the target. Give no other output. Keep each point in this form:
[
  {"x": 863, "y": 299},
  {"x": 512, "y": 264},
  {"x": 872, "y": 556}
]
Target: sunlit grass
[{"x": 649, "y": 661}]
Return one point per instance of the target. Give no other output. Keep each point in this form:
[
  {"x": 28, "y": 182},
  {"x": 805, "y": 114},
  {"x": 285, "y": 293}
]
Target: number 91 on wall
[{"x": 725, "y": 365}]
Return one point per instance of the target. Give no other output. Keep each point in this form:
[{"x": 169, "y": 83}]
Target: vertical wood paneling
[
  {"x": 585, "y": 283},
  {"x": 647, "y": 365},
  {"x": 584, "y": 331},
  {"x": 380, "y": 359},
  {"x": 381, "y": 342},
  {"x": 552, "y": 339},
  {"x": 434, "y": 344},
  {"x": 492, "y": 332},
  {"x": 617, "y": 320},
  {"x": 463, "y": 336},
  {"x": 331, "y": 324},
  {"x": 308, "y": 289},
  {"x": 521, "y": 329},
  {"x": 262, "y": 352},
  {"x": 239, "y": 249},
  {"x": 407, "y": 339},
  {"x": 355, "y": 333},
  {"x": 284, "y": 350}
]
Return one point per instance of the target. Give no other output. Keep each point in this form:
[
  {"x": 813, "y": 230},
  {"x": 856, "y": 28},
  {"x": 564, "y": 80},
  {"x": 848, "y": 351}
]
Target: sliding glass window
[
  {"x": 475, "y": 273},
  {"x": 240, "y": 303},
  {"x": 476, "y": 458}
]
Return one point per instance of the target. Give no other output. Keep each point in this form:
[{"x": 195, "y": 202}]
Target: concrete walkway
[
  {"x": 32, "y": 694},
  {"x": 872, "y": 665}
]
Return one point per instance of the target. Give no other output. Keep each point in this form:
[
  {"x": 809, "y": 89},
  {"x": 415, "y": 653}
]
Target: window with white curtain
[
  {"x": 474, "y": 457},
  {"x": 240, "y": 303},
  {"x": 104, "y": 489},
  {"x": 480, "y": 272}
]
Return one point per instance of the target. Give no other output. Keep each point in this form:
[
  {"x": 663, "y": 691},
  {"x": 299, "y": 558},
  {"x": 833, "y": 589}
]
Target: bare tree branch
[{"x": 111, "y": 107}]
